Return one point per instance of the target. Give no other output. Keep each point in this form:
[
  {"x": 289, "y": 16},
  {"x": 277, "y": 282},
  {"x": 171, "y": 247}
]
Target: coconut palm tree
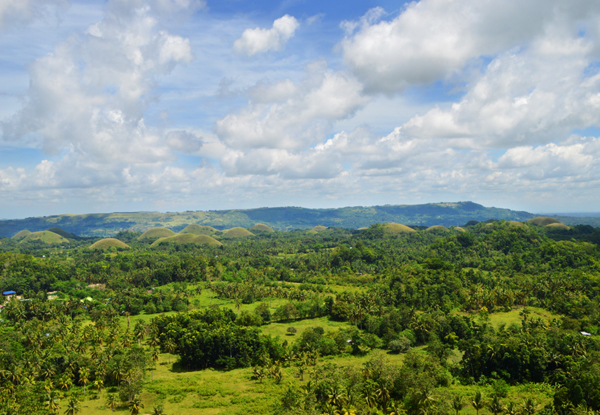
[
  {"x": 135, "y": 405},
  {"x": 51, "y": 402},
  {"x": 477, "y": 402},
  {"x": 529, "y": 407},
  {"x": 72, "y": 406},
  {"x": 158, "y": 410},
  {"x": 495, "y": 406},
  {"x": 511, "y": 409},
  {"x": 457, "y": 404},
  {"x": 111, "y": 401}
]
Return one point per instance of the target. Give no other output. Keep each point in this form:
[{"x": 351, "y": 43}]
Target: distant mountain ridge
[{"x": 279, "y": 218}]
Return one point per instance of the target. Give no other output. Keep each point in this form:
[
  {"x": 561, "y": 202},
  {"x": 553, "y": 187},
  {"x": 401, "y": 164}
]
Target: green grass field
[{"x": 235, "y": 392}]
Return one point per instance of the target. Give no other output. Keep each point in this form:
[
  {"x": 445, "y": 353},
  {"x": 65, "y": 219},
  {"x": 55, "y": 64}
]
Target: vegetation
[
  {"x": 198, "y": 229},
  {"x": 109, "y": 243},
  {"x": 156, "y": 233},
  {"x": 497, "y": 319},
  {"x": 187, "y": 238},
  {"x": 285, "y": 218},
  {"x": 46, "y": 237}
]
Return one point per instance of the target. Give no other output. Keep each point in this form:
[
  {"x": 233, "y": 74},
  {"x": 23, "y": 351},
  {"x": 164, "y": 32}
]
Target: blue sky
[{"x": 171, "y": 105}]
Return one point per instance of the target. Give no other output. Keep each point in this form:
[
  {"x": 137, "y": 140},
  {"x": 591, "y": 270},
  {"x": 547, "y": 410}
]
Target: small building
[
  {"x": 585, "y": 333},
  {"x": 8, "y": 295}
]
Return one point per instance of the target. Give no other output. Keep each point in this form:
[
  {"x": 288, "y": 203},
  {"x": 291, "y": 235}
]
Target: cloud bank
[{"x": 498, "y": 102}]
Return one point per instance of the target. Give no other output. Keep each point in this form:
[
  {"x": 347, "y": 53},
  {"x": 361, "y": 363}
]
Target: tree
[
  {"x": 111, "y": 401},
  {"x": 51, "y": 402},
  {"x": 477, "y": 402},
  {"x": 135, "y": 405},
  {"x": 72, "y": 406},
  {"x": 457, "y": 404},
  {"x": 529, "y": 407},
  {"x": 495, "y": 406}
]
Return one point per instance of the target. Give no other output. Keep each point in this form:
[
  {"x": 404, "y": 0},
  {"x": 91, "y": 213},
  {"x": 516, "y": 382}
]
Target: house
[{"x": 8, "y": 294}]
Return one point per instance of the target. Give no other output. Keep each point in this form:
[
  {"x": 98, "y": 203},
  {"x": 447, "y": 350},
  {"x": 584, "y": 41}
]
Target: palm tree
[
  {"x": 111, "y": 401},
  {"x": 495, "y": 406},
  {"x": 72, "y": 407},
  {"x": 511, "y": 409},
  {"x": 457, "y": 404},
  {"x": 135, "y": 405},
  {"x": 98, "y": 384},
  {"x": 171, "y": 348},
  {"x": 529, "y": 407},
  {"x": 155, "y": 355},
  {"x": 477, "y": 402},
  {"x": 84, "y": 377},
  {"x": 51, "y": 402},
  {"x": 65, "y": 382},
  {"x": 158, "y": 410}
]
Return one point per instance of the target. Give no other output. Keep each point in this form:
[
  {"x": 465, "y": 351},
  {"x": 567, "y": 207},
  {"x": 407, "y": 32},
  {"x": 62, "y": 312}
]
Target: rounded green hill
[
  {"x": 319, "y": 228},
  {"x": 516, "y": 224},
  {"x": 237, "y": 232},
  {"x": 157, "y": 233},
  {"x": 62, "y": 233},
  {"x": 543, "y": 221},
  {"x": 109, "y": 243},
  {"x": 396, "y": 228},
  {"x": 558, "y": 225},
  {"x": 261, "y": 227},
  {"x": 198, "y": 229},
  {"x": 459, "y": 229},
  {"x": 188, "y": 238},
  {"x": 437, "y": 228},
  {"x": 21, "y": 234},
  {"x": 46, "y": 237}
]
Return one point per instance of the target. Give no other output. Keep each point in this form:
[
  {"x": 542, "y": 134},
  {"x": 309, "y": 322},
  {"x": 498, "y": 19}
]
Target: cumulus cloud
[
  {"x": 14, "y": 12},
  {"x": 254, "y": 41},
  {"x": 533, "y": 96},
  {"x": 290, "y": 116},
  {"x": 432, "y": 39},
  {"x": 88, "y": 97}
]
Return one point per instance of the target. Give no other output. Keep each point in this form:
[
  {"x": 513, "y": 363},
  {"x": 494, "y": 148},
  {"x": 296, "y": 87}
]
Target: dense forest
[{"x": 497, "y": 317}]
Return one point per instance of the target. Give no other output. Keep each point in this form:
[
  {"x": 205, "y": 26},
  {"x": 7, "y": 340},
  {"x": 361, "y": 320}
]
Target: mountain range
[{"x": 279, "y": 218}]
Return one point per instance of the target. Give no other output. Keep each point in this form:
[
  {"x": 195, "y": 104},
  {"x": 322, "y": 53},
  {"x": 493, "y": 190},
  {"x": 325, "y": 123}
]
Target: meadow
[{"x": 487, "y": 318}]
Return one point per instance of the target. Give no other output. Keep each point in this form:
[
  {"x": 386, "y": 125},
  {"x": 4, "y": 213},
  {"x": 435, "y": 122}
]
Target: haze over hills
[{"x": 280, "y": 218}]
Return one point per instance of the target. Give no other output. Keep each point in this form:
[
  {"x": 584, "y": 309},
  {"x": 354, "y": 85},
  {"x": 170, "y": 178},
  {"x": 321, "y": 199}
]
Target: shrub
[{"x": 400, "y": 345}]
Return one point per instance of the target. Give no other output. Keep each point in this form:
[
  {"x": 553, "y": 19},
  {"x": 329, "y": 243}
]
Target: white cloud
[
  {"x": 14, "y": 12},
  {"x": 432, "y": 39},
  {"x": 535, "y": 96},
  {"x": 290, "y": 116},
  {"x": 90, "y": 95},
  {"x": 259, "y": 40}
]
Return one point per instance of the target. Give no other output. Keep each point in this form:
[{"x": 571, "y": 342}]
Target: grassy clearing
[{"x": 514, "y": 316}]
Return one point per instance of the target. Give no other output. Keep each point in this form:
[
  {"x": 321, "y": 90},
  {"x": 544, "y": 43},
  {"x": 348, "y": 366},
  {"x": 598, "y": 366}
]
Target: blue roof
[{"x": 8, "y": 292}]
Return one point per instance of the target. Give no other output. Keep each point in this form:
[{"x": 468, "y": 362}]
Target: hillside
[{"x": 281, "y": 218}]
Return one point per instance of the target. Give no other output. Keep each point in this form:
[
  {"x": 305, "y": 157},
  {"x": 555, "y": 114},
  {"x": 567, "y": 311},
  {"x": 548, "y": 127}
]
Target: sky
[{"x": 174, "y": 105}]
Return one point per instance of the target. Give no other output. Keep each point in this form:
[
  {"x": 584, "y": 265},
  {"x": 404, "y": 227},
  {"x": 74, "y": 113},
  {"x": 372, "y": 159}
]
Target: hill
[
  {"x": 109, "y": 243},
  {"x": 280, "y": 218},
  {"x": 46, "y": 237},
  {"x": 261, "y": 227},
  {"x": 437, "y": 228},
  {"x": 188, "y": 238},
  {"x": 63, "y": 233},
  {"x": 21, "y": 234},
  {"x": 396, "y": 228},
  {"x": 198, "y": 229},
  {"x": 237, "y": 233},
  {"x": 156, "y": 233},
  {"x": 543, "y": 220}
]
